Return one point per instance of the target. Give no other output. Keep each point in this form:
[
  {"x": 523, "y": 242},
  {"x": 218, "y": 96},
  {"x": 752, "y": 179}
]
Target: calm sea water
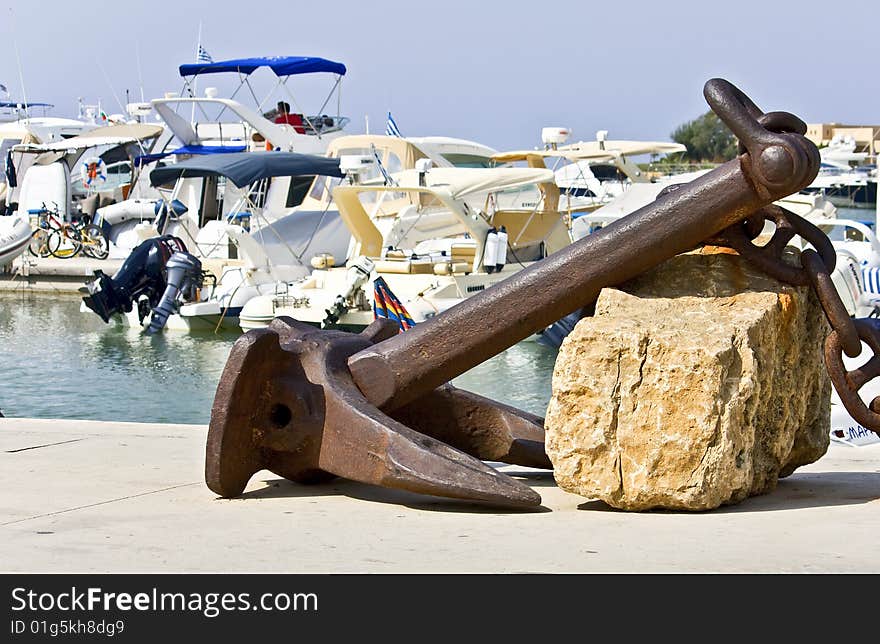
[{"x": 60, "y": 363}]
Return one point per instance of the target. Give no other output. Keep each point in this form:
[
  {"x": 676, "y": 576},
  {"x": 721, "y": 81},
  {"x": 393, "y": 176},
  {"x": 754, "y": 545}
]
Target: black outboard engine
[
  {"x": 144, "y": 278},
  {"x": 183, "y": 275}
]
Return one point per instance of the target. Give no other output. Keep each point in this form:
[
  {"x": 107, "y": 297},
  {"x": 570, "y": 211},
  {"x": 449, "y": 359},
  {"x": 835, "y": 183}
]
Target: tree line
[{"x": 707, "y": 139}]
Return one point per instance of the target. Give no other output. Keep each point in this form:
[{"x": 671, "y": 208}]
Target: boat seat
[
  {"x": 463, "y": 253},
  {"x": 397, "y": 265},
  {"x": 453, "y": 268},
  {"x": 215, "y": 265}
]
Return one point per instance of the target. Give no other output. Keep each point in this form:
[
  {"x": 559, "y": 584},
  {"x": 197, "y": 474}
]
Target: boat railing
[{"x": 668, "y": 169}]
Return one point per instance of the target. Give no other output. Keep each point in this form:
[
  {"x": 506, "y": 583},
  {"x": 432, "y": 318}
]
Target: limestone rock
[{"x": 695, "y": 385}]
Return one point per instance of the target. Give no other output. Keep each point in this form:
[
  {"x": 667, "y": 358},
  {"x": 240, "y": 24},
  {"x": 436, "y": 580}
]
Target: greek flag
[
  {"x": 871, "y": 278},
  {"x": 203, "y": 56},
  {"x": 391, "y": 127}
]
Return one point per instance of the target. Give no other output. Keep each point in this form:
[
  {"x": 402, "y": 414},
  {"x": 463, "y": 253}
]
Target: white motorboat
[
  {"x": 210, "y": 121},
  {"x": 14, "y": 110},
  {"x": 844, "y": 176},
  {"x": 29, "y": 130},
  {"x": 208, "y": 125},
  {"x": 590, "y": 174},
  {"x": 15, "y": 235},
  {"x": 230, "y": 257},
  {"x": 72, "y": 176},
  {"x": 431, "y": 254},
  {"x": 380, "y": 157}
]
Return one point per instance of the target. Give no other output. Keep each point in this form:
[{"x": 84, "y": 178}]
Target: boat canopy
[
  {"x": 108, "y": 135},
  {"x": 533, "y": 155},
  {"x": 244, "y": 168},
  {"x": 592, "y": 150},
  {"x": 623, "y": 148},
  {"x": 23, "y": 104},
  {"x": 280, "y": 65},
  {"x": 461, "y": 182}
]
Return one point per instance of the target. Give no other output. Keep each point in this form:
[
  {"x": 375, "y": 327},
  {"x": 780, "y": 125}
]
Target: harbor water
[{"x": 59, "y": 362}]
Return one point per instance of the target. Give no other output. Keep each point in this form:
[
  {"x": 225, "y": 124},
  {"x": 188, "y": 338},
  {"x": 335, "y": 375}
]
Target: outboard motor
[
  {"x": 142, "y": 278},
  {"x": 183, "y": 274}
]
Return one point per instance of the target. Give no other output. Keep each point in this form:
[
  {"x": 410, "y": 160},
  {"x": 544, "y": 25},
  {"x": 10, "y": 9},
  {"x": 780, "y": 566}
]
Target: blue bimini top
[{"x": 281, "y": 65}]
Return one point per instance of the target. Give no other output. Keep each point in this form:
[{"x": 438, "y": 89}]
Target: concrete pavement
[{"x": 85, "y": 496}]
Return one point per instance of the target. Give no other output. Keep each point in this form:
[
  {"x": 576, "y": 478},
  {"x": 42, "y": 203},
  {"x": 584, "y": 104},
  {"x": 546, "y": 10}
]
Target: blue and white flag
[
  {"x": 203, "y": 56},
  {"x": 391, "y": 127}
]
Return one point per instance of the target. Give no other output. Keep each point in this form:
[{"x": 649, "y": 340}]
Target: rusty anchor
[{"x": 376, "y": 407}]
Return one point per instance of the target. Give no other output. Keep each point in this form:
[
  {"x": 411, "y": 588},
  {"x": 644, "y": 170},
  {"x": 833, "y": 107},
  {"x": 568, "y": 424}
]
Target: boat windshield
[{"x": 468, "y": 160}]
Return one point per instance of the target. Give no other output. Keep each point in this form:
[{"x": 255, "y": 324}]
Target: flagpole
[{"x": 192, "y": 116}]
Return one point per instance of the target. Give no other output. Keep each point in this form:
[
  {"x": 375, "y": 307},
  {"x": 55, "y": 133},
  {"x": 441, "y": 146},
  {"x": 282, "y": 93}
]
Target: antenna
[
  {"x": 20, "y": 72},
  {"x": 113, "y": 91},
  {"x": 137, "y": 54}
]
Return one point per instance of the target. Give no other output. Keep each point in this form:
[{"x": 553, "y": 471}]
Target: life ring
[{"x": 93, "y": 171}]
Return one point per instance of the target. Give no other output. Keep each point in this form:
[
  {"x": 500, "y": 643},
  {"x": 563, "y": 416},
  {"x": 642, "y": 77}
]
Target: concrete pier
[
  {"x": 86, "y": 496},
  {"x": 30, "y": 274}
]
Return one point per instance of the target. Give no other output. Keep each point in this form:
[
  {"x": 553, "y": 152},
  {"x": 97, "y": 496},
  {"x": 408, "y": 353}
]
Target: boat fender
[
  {"x": 490, "y": 250},
  {"x": 501, "y": 253}
]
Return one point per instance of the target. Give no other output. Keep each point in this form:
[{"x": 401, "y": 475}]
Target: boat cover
[
  {"x": 461, "y": 182},
  {"x": 243, "y": 168},
  {"x": 281, "y": 65}
]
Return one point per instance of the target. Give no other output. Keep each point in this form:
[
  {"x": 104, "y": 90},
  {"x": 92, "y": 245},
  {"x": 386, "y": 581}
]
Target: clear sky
[{"x": 491, "y": 71}]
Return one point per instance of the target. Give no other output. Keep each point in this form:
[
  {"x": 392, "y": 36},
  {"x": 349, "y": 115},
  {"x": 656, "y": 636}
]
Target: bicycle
[
  {"x": 46, "y": 225},
  {"x": 66, "y": 239},
  {"x": 94, "y": 242}
]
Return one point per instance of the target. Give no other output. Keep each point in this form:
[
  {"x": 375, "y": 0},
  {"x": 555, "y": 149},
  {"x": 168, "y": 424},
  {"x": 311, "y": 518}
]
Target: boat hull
[{"x": 15, "y": 235}]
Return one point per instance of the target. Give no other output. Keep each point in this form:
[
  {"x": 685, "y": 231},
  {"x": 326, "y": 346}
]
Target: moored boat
[{"x": 15, "y": 235}]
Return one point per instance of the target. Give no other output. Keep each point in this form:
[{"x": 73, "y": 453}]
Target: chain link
[{"x": 847, "y": 334}]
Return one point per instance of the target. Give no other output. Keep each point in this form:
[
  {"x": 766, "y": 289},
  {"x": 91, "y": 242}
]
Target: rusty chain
[{"x": 817, "y": 264}]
